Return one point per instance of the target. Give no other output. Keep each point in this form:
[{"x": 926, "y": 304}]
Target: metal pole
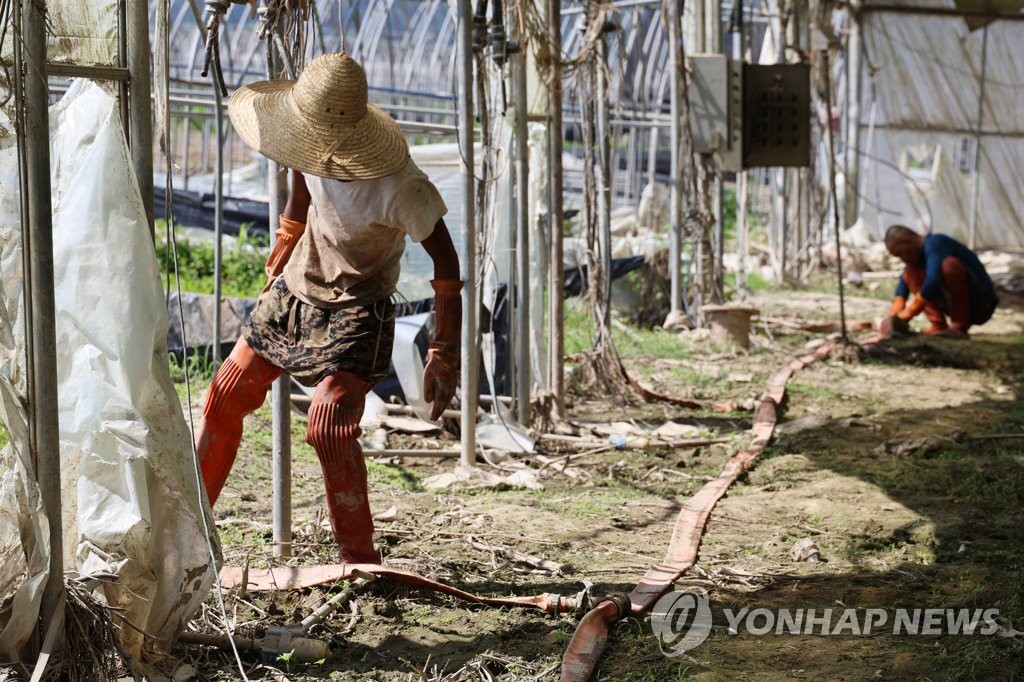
[
  {"x": 522, "y": 279},
  {"x": 556, "y": 281},
  {"x": 972, "y": 231},
  {"x": 854, "y": 53},
  {"x": 716, "y": 44},
  {"x": 280, "y": 391},
  {"x": 777, "y": 7},
  {"x": 38, "y": 241},
  {"x": 832, "y": 191},
  {"x": 676, "y": 133},
  {"x": 218, "y": 197},
  {"x": 218, "y": 218},
  {"x": 470, "y": 354},
  {"x": 281, "y": 448},
  {"x": 141, "y": 112},
  {"x": 738, "y": 50},
  {"x": 604, "y": 195}
]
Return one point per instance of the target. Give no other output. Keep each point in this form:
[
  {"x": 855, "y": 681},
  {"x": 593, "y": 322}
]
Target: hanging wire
[
  {"x": 215, "y": 9},
  {"x": 173, "y": 262}
]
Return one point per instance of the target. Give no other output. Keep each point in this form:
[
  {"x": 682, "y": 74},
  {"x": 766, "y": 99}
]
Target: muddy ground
[{"x": 905, "y": 469}]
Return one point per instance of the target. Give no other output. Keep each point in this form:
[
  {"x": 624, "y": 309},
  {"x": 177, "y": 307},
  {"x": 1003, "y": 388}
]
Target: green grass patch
[
  {"x": 393, "y": 476},
  {"x": 242, "y": 263},
  {"x": 629, "y": 339}
]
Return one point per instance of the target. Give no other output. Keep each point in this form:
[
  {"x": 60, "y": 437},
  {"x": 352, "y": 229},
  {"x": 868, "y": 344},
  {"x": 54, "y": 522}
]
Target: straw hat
[{"x": 320, "y": 124}]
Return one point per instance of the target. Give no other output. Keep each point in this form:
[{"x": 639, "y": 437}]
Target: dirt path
[{"x": 881, "y": 464}]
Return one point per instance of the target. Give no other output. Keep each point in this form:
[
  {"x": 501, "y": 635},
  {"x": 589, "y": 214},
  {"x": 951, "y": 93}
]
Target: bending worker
[
  {"x": 946, "y": 280},
  {"x": 326, "y": 316}
]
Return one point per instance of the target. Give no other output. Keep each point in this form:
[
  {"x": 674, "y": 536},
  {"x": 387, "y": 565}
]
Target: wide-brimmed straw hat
[{"x": 320, "y": 124}]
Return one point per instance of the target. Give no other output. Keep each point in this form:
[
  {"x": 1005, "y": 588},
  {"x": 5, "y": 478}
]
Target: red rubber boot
[
  {"x": 239, "y": 387},
  {"x": 333, "y": 431}
]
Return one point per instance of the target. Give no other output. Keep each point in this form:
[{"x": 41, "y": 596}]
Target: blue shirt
[{"x": 936, "y": 248}]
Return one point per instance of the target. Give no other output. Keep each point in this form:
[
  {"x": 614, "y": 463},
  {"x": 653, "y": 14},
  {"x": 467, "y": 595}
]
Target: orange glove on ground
[
  {"x": 441, "y": 375},
  {"x": 287, "y": 236}
]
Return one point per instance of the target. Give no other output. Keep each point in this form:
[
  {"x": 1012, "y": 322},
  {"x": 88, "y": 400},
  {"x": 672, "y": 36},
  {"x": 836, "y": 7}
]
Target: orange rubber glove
[
  {"x": 898, "y": 304},
  {"x": 441, "y": 375},
  {"x": 287, "y": 237},
  {"x": 912, "y": 310}
]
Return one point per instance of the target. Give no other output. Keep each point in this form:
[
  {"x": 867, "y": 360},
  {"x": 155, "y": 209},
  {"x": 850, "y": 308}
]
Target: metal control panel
[
  {"x": 716, "y": 108},
  {"x": 748, "y": 115},
  {"x": 776, "y": 115}
]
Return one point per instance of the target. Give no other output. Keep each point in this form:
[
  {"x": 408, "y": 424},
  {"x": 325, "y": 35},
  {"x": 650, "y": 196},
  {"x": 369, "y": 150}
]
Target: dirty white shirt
[{"x": 355, "y": 235}]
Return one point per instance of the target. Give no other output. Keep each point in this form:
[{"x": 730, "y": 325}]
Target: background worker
[
  {"x": 326, "y": 316},
  {"x": 946, "y": 279}
]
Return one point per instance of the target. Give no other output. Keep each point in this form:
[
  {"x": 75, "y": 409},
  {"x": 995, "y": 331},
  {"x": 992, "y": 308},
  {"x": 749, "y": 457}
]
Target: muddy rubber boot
[
  {"x": 333, "y": 432},
  {"x": 936, "y": 319},
  {"x": 238, "y": 389}
]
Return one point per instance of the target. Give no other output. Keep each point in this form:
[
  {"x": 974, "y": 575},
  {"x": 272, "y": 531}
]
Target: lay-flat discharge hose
[{"x": 584, "y": 650}]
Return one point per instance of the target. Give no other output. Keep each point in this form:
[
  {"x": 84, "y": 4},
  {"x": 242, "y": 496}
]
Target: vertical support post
[
  {"x": 556, "y": 281},
  {"x": 470, "y": 306},
  {"x": 715, "y": 44},
  {"x": 803, "y": 176},
  {"x": 778, "y": 225},
  {"x": 972, "y": 230},
  {"x": 521, "y": 298},
  {"x": 280, "y": 390},
  {"x": 854, "y": 54},
  {"x": 281, "y": 400},
  {"x": 738, "y": 50},
  {"x": 675, "y": 52},
  {"x": 141, "y": 111},
  {"x": 37, "y": 239},
  {"x": 742, "y": 229},
  {"x": 832, "y": 191},
  {"x": 604, "y": 190},
  {"x": 218, "y": 218}
]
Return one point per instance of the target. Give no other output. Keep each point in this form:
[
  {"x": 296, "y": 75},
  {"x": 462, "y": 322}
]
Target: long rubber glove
[
  {"x": 287, "y": 237},
  {"x": 898, "y": 304},
  {"x": 441, "y": 375},
  {"x": 912, "y": 310}
]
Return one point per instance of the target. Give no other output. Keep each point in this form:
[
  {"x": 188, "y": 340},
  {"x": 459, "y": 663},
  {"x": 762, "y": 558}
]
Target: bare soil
[{"x": 890, "y": 463}]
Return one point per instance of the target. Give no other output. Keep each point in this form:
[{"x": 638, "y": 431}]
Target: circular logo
[{"x": 681, "y": 621}]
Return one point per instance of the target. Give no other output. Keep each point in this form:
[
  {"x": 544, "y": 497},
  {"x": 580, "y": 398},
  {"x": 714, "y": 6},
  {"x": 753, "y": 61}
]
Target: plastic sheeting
[
  {"x": 924, "y": 75},
  {"x": 79, "y": 32},
  {"x": 131, "y": 501}
]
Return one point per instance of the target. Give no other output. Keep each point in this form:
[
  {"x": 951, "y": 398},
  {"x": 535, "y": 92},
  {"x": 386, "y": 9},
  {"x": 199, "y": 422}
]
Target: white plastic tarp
[
  {"x": 78, "y": 32},
  {"x": 131, "y": 502},
  {"x": 923, "y": 73}
]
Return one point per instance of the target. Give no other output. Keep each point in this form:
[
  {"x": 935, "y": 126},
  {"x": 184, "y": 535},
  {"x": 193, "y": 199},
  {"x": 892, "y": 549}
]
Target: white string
[{"x": 169, "y": 214}]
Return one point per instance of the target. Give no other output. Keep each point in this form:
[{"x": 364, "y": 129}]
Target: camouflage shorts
[{"x": 311, "y": 343}]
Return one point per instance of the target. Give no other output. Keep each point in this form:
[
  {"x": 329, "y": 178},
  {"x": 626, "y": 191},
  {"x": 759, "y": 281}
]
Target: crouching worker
[
  {"x": 948, "y": 283},
  {"x": 326, "y": 316}
]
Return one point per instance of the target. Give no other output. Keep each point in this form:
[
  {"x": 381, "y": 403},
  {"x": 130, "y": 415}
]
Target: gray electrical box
[
  {"x": 748, "y": 115},
  {"x": 716, "y": 108}
]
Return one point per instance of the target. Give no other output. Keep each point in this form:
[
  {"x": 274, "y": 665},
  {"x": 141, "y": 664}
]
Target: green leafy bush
[{"x": 242, "y": 262}]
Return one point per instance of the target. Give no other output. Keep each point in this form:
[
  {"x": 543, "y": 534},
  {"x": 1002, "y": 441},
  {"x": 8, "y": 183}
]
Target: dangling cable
[
  {"x": 215, "y": 9},
  {"x": 173, "y": 259}
]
